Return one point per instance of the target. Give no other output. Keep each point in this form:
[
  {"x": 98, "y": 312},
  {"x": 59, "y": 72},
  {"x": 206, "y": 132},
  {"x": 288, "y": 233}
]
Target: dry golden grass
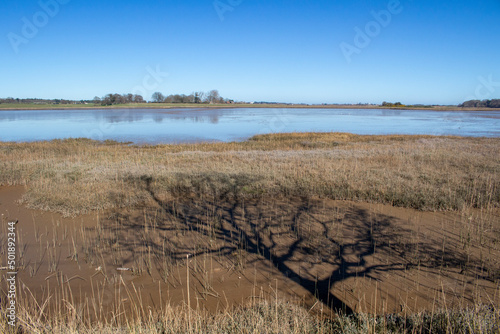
[
  {"x": 430, "y": 173},
  {"x": 274, "y": 317}
]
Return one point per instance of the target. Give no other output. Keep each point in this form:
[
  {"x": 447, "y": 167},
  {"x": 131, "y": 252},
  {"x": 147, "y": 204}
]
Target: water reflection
[
  {"x": 212, "y": 119},
  {"x": 128, "y": 115},
  {"x": 120, "y": 118},
  {"x": 391, "y": 112},
  {"x": 114, "y": 116},
  {"x": 181, "y": 125}
]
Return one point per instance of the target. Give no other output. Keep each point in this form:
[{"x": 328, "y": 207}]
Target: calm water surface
[{"x": 154, "y": 126}]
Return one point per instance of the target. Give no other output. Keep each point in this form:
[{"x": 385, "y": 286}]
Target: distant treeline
[
  {"x": 495, "y": 103},
  {"x": 212, "y": 96},
  {"x": 111, "y": 99},
  {"x": 390, "y": 104},
  {"x": 41, "y": 101},
  {"x": 400, "y": 105},
  {"x": 106, "y": 100}
]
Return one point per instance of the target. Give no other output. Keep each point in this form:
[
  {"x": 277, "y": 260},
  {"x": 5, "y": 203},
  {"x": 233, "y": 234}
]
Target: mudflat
[{"x": 368, "y": 254}]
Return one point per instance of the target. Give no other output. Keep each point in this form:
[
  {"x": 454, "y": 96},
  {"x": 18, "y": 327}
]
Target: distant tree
[
  {"x": 481, "y": 104},
  {"x": 107, "y": 100},
  {"x": 158, "y": 97},
  {"x": 138, "y": 99},
  {"x": 470, "y": 104},
  {"x": 390, "y": 104},
  {"x": 213, "y": 96},
  {"x": 198, "y": 97},
  {"x": 495, "y": 103},
  {"x": 177, "y": 98},
  {"x": 117, "y": 99},
  {"x": 97, "y": 100}
]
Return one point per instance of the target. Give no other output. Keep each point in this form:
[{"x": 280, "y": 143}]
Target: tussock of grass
[{"x": 429, "y": 173}]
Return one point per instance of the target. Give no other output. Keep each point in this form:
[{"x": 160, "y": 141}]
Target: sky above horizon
[{"x": 294, "y": 51}]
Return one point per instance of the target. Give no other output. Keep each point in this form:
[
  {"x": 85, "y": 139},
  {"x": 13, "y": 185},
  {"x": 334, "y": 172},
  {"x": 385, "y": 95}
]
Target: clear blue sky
[{"x": 289, "y": 50}]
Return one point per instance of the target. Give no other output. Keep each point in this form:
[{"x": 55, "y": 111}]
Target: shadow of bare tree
[{"x": 316, "y": 246}]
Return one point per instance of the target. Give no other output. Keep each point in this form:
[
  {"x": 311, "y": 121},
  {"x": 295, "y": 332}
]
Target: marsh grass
[
  {"x": 265, "y": 317},
  {"x": 78, "y": 176},
  {"x": 255, "y": 199}
]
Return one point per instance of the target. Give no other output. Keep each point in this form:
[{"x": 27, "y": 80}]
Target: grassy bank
[{"x": 422, "y": 172}]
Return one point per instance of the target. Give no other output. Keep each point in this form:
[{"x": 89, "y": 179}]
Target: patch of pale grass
[
  {"x": 428, "y": 173},
  {"x": 265, "y": 317}
]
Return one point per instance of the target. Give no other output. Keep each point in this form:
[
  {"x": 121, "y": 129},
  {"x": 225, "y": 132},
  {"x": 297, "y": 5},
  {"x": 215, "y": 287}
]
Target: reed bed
[
  {"x": 265, "y": 317},
  {"x": 76, "y": 176}
]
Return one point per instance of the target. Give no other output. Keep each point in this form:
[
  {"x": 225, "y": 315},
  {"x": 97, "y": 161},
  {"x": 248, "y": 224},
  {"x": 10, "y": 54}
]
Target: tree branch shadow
[{"x": 292, "y": 234}]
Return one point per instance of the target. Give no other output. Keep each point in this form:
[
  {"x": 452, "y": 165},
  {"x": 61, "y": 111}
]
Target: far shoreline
[{"x": 168, "y": 106}]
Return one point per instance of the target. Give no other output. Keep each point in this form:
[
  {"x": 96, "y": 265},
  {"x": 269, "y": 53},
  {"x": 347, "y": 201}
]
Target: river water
[{"x": 153, "y": 126}]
